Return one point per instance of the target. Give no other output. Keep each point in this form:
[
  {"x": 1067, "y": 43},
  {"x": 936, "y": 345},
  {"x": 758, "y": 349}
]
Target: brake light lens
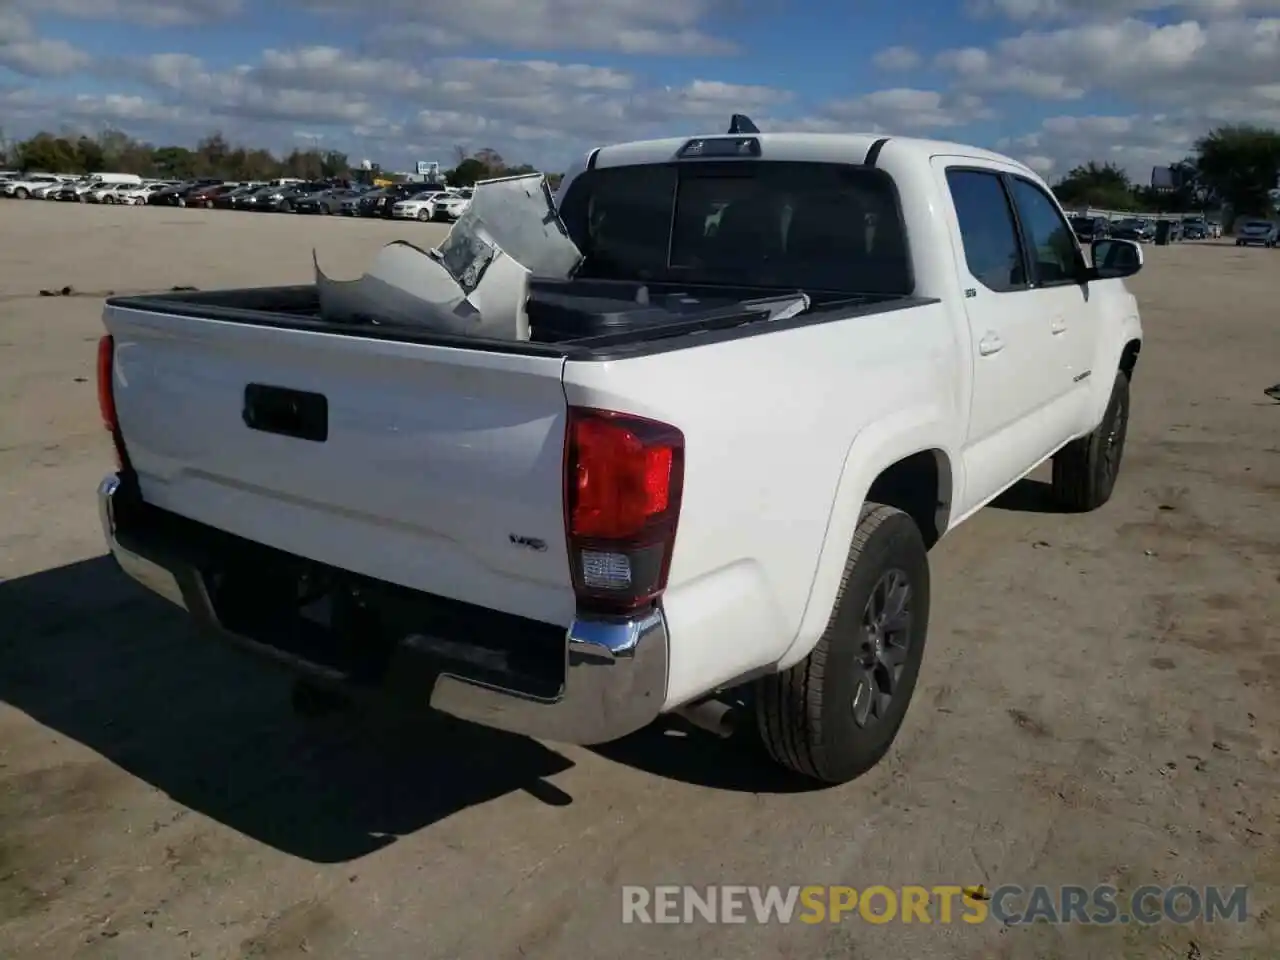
[
  {"x": 106, "y": 392},
  {"x": 107, "y": 397},
  {"x": 624, "y": 477}
]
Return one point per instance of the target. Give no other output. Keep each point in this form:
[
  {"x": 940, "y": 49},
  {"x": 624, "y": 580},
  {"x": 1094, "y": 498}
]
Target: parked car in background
[
  {"x": 137, "y": 196},
  {"x": 1195, "y": 228},
  {"x": 350, "y": 207},
  {"x": 71, "y": 191},
  {"x": 205, "y": 196},
  {"x": 417, "y": 206},
  {"x": 79, "y": 190},
  {"x": 401, "y": 192},
  {"x": 107, "y": 194},
  {"x": 326, "y": 202},
  {"x": 450, "y": 206},
  {"x": 50, "y": 191},
  {"x": 1134, "y": 228},
  {"x": 1251, "y": 230},
  {"x": 234, "y": 199},
  {"x": 284, "y": 198},
  {"x": 370, "y": 205},
  {"x": 1087, "y": 229},
  {"x": 259, "y": 199},
  {"x": 176, "y": 195},
  {"x": 24, "y": 187}
]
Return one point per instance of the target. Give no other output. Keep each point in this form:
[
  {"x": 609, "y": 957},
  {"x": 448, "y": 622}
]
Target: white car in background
[
  {"x": 1265, "y": 233},
  {"x": 415, "y": 207},
  {"x": 136, "y": 196},
  {"x": 449, "y": 206},
  {"x": 110, "y": 193},
  {"x": 26, "y": 187}
]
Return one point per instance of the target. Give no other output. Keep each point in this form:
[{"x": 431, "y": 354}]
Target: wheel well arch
[{"x": 920, "y": 485}]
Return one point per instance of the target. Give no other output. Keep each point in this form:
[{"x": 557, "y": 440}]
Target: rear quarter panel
[{"x": 770, "y": 423}]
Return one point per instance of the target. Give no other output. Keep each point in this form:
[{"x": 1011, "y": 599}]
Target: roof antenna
[{"x": 741, "y": 123}]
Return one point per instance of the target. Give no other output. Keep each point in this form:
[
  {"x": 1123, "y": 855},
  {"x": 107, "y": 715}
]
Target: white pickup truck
[{"x": 657, "y": 497}]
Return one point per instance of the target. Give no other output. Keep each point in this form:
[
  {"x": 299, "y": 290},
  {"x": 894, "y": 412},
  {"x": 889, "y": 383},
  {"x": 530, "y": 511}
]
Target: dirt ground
[{"x": 1098, "y": 703}]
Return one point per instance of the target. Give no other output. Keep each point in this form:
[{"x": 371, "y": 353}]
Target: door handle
[
  {"x": 989, "y": 344},
  {"x": 1058, "y": 326}
]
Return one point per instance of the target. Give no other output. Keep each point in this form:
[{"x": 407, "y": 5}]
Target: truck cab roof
[{"x": 811, "y": 147}]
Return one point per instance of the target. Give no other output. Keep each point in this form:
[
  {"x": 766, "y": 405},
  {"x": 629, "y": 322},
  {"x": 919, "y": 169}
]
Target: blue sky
[{"x": 1053, "y": 82}]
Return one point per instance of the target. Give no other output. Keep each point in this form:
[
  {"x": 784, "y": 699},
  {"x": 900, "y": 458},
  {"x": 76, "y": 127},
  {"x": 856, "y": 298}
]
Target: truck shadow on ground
[
  {"x": 89, "y": 654},
  {"x": 676, "y": 750},
  {"x": 1029, "y": 496},
  {"x": 92, "y": 656}
]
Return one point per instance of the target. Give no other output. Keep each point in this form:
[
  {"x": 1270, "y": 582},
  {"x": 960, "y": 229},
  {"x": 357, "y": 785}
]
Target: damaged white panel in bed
[{"x": 476, "y": 283}]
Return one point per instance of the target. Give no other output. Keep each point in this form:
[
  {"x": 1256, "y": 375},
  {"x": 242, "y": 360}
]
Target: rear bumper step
[{"x": 614, "y": 672}]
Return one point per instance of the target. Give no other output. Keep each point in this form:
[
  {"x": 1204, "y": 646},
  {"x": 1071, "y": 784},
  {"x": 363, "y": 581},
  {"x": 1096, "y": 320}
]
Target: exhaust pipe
[{"x": 714, "y": 716}]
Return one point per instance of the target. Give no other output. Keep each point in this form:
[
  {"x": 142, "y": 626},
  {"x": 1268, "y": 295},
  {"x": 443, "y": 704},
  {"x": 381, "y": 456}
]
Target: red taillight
[
  {"x": 623, "y": 480},
  {"x": 107, "y": 397},
  {"x": 106, "y": 391}
]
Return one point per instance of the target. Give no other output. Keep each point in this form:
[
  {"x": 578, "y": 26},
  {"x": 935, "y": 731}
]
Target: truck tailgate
[{"x": 436, "y": 468}]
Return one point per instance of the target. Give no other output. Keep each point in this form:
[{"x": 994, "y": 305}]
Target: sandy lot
[{"x": 1099, "y": 702}]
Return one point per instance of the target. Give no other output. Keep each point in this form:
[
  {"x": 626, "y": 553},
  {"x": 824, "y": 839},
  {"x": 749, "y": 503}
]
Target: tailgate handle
[{"x": 290, "y": 413}]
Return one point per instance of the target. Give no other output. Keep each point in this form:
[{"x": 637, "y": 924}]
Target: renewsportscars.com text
[{"x": 941, "y": 904}]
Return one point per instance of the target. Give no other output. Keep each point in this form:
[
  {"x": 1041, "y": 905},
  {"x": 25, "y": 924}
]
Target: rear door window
[{"x": 992, "y": 251}]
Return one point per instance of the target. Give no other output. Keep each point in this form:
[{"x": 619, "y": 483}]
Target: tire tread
[
  {"x": 790, "y": 714},
  {"x": 1077, "y": 482}
]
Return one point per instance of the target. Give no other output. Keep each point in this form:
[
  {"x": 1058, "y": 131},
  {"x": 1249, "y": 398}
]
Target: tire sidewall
[
  {"x": 1117, "y": 417},
  {"x": 847, "y": 749}
]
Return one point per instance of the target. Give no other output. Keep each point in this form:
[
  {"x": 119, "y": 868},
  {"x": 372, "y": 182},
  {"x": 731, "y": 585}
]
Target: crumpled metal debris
[{"x": 476, "y": 282}]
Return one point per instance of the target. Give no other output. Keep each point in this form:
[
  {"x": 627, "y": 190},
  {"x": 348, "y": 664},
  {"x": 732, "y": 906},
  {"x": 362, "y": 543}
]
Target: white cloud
[
  {"x": 1026, "y": 10},
  {"x": 1135, "y": 142},
  {"x": 469, "y": 98},
  {"x": 977, "y": 69},
  {"x": 91, "y": 111},
  {"x": 907, "y": 110},
  {"x": 153, "y": 13},
  {"x": 1135, "y": 58},
  {"x": 1214, "y": 72},
  {"x": 657, "y": 27},
  {"x": 897, "y": 58},
  {"x": 23, "y": 52}
]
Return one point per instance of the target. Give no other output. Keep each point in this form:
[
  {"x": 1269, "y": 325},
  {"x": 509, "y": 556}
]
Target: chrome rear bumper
[{"x": 615, "y": 672}]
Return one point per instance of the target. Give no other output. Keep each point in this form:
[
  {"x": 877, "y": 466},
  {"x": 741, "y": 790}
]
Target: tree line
[
  {"x": 215, "y": 156},
  {"x": 1232, "y": 167}
]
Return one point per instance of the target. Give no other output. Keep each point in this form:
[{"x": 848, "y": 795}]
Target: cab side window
[
  {"x": 992, "y": 251},
  {"x": 1055, "y": 256}
]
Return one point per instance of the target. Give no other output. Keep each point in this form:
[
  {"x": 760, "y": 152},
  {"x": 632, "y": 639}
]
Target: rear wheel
[
  {"x": 834, "y": 715},
  {"x": 1086, "y": 469}
]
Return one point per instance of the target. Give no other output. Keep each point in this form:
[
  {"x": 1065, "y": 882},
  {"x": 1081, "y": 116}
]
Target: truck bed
[
  {"x": 429, "y": 461},
  {"x": 609, "y": 323}
]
